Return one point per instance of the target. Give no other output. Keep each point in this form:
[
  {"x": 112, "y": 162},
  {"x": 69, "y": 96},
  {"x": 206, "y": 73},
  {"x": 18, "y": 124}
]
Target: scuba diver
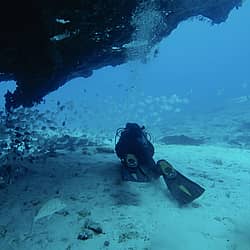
[{"x": 137, "y": 164}]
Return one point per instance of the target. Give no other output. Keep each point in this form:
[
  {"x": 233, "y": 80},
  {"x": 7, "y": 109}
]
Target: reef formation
[{"x": 44, "y": 44}]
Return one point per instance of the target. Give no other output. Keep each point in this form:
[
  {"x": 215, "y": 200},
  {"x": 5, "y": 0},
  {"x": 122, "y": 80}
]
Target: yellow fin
[{"x": 185, "y": 190}]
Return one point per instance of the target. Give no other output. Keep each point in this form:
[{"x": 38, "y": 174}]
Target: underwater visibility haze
[{"x": 69, "y": 180}]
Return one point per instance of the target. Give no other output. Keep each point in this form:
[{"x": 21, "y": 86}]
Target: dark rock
[
  {"x": 43, "y": 44},
  {"x": 105, "y": 150},
  {"x": 181, "y": 140},
  {"x": 106, "y": 243},
  {"x": 95, "y": 227},
  {"x": 85, "y": 235}
]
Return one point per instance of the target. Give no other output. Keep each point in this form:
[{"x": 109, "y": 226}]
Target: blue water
[
  {"x": 211, "y": 60},
  {"x": 201, "y": 69}
]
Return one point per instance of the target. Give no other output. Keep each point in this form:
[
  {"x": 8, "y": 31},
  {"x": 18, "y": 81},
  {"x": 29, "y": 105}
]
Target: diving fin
[
  {"x": 132, "y": 171},
  {"x": 181, "y": 188}
]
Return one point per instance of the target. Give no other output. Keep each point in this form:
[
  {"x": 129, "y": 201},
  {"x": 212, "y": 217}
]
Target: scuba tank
[{"x": 133, "y": 139}]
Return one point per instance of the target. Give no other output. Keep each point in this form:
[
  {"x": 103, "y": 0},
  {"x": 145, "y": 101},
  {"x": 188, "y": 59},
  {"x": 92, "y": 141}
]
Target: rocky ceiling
[{"x": 45, "y": 43}]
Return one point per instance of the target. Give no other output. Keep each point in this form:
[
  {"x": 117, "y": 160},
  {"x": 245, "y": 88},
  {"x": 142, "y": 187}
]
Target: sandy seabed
[{"x": 133, "y": 216}]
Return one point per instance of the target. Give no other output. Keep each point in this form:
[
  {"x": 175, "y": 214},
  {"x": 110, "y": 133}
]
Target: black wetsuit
[{"x": 133, "y": 140}]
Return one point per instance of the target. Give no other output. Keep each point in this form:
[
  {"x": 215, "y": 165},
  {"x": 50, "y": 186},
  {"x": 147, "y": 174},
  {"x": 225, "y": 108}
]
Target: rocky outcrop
[{"x": 45, "y": 43}]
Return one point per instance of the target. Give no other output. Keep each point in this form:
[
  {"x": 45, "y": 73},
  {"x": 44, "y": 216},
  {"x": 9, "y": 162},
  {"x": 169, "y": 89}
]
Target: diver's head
[{"x": 134, "y": 129}]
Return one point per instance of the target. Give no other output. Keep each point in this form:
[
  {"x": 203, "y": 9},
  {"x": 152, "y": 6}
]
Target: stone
[{"x": 46, "y": 44}]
